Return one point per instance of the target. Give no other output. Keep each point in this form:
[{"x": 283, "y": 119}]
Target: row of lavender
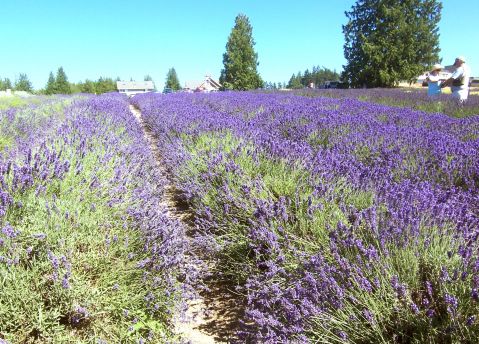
[
  {"x": 339, "y": 219},
  {"x": 28, "y": 121},
  {"x": 404, "y": 97},
  {"x": 87, "y": 252}
]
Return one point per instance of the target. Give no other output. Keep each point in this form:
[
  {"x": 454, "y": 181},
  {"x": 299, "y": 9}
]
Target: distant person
[
  {"x": 459, "y": 80},
  {"x": 434, "y": 82}
]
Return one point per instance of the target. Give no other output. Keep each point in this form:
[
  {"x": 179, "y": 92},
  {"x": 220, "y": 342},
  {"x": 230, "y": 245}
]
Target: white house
[
  {"x": 207, "y": 85},
  {"x": 6, "y": 93},
  {"x": 130, "y": 88},
  {"x": 9, "y": 93}
]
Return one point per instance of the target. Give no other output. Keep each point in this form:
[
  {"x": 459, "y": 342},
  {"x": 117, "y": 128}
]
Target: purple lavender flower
[
  {"x": 419, "y": 169},
  {"x": 39, "y": 236},
  {"x": 65, "y": 282},
  {"x": 368, "y": 316},
  {"x": 9, "y": 231},
  {"x": 451, "y": 302},
  {"x": 475, "y": 294},
  {"x": 414, "y": 308}
]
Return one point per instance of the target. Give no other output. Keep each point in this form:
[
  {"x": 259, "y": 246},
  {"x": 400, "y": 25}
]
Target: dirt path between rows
[{"x": 212, "y": 317}]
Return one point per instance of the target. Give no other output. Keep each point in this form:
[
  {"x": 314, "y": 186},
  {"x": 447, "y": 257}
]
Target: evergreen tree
[
  {"x": 51, "y": 84},
  {"x": 295, "y": 81},
  {"x": 321, "y": 75},
  {"x": 2, "y": 85},
  {"x": 387, "y": 41},
  {"x": 7, "y": 84},
  {"x": 87, "y": 87},
  {"x": 23, "y": 84},
  {"x": 240, "y": 60},
  {"x": 307, "y": 78},
  {"x": 75, "y": 88},
  {"x": 172, "y": 80},
  {"x": 105, "y": 85},
  {"x": 61, "y": 82}
]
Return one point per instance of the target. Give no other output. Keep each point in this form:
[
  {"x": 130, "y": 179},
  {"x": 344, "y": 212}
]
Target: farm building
[
  {"x": 130, "y": 88},
  {"x": 207, "y": 85},
  {"x": 9, "y": 93}
]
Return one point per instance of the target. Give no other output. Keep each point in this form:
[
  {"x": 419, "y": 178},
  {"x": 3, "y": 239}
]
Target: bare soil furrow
[{"x": 213, "y": 316}]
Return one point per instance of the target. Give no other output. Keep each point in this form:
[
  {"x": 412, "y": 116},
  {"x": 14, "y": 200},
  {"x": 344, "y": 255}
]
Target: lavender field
[
  {"x": 338, "y": 220},
  {"x": 335, "y": 219},
  {"x": 87, "y": 253}
]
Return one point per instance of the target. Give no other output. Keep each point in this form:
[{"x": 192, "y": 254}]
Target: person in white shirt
[
  {"x": 433, "y": 81},
  {"x": 459, "y": 80}
]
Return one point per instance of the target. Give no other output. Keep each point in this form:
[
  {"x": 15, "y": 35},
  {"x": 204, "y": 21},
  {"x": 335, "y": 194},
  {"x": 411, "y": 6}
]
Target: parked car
[
  {"x": 167, "y": 90},
  {"x": 334, "y": 84}
]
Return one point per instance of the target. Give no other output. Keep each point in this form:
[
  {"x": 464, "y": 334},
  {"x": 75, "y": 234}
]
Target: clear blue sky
[{"x": 134, "y": 38}]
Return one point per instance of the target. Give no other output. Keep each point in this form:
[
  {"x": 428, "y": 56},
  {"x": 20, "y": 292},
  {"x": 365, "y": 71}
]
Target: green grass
[
  {"x": 5, "y": 142},
  {"x": 9, "y": 102}
]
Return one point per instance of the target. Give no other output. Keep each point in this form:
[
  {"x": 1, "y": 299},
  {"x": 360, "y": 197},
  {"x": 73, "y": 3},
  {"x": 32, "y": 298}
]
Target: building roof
[
  {"x": 207, "y": 83},
  {"x": 135, "y": 85}
]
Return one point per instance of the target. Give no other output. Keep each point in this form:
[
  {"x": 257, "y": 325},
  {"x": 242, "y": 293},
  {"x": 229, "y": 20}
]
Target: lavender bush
[
  {"x": 87, "y": 252},
  {"x": 340, "y": 220}
]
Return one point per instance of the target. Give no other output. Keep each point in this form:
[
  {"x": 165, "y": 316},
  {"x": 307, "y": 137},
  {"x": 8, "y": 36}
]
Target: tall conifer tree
[
  {"x": 172, "y": 80},
  {"x": 61, "y": 82},
  {"x": 23, "y": 84},
  {"x": 240, "y": 60},
  {"x": 7, "y": 84},
  {"x": 387, "y": 41},
  {"x": 50, "y": 87}
]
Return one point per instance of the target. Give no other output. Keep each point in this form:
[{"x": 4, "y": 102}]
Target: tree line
[
  {"x": 59, "y": 84},
  {"x": 317, "y": 76},
  {"x": 21, "y": 84},
  {"x": 385, "y": 42}
]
